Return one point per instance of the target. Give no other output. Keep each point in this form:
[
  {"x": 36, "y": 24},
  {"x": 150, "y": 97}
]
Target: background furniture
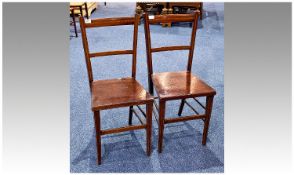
[
  {"x": 115, "y": 93},
  {"x": 81, "y": 9},
  {"x": 154, "y": 8},
  {"x": 193, "y": 5},
  {"x": 163, "y": 8},
  {"x": 177, "y": 85},
  {"x": 87, "y": 8},
  {"x": 73, "y": 22}
]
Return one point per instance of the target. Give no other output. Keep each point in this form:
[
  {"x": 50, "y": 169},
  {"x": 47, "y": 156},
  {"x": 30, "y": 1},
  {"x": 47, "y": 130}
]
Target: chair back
[
  {"x": 167, "y": 19},
  {"x": 104, "y": 22}
]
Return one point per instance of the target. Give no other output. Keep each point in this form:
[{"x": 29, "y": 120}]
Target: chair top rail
[
  {"x": 171, "y": 18},
  {"x": 109, "y": 22}
]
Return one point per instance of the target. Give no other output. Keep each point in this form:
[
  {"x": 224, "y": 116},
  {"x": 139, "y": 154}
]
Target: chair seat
[
  {"x": 118, "y": 93},
  {"x": 178, "y": 85}
]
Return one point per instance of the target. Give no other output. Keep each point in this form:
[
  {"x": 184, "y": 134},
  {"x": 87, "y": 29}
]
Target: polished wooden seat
[
  {"x": 115, "y": 93},
  {"x": 121, "y": 92},
  {"x": 178, "y": 85}
]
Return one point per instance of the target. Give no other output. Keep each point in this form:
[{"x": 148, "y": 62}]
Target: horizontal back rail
[
  {"x": 171, "y": 18},
  {"x": 108, "y": 53},
  {"x": 110, "y": 22},
  {"x": 170, "y": 48}
]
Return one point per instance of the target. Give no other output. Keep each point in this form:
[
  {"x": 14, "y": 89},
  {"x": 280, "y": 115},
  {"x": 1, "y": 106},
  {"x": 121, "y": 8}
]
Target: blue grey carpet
[{"x": 125, "y": 152}]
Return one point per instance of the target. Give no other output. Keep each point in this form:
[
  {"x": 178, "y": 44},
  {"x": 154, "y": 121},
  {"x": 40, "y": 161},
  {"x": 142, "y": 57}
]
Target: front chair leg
[
  {"x": 130, "y": 115},
  {"x": 98, "y": 135},
  {"x": 149, "y": 109},
  {"x": 209, "y": 102},
  {"x": 181, "y": 107},
  {"x": 161, "y": 124}
]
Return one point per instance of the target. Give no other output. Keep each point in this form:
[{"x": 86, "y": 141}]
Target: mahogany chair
[
  {"x": 114, "y": 93},
  {"x": 177, "y": 85}
]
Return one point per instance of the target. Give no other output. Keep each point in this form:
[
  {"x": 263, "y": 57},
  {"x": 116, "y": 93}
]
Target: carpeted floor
[{"x": 125, "y": 152}]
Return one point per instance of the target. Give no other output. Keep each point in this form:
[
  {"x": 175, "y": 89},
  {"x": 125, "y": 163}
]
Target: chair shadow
[
  {"x": 183, "y": 152},
  {"x": 120, "y": 156},
  {"x": 216, "y": 17},
  {"x": 208, "y": 14}
]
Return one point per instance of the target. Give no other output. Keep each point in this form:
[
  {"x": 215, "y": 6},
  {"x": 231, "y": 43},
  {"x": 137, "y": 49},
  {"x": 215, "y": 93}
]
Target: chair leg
[
  {"x": 161, "y": 124},
  {"x": 81, "y": 11},
  {"x": 209, "y": 102},
  {"x": 181, "y": 107},
  {"x": 130, "y": 115},
  {"x": 87, "y": 12},
  {"x": 149, "y": 107},
  {"x": 74, "y": 22},
  {"x": 98, "y": 135}
]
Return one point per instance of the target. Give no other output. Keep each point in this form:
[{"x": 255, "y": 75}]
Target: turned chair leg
[
  {"x": 209, "y": 102},
  {"x": 98, "y": 135},
  {"x": 181, "y": 107},
  {"x": 161, "y": 124},
  {"x": 149, "y": 109},
  {"x": 130, "y": 115}
]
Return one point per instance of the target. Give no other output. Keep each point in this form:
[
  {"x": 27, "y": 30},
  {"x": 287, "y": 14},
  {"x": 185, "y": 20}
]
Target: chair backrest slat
[
  {"x": 166, "y": 19},
  {"x": 105, "y": 22},
  {"x": 115, "y": 52},
  {"x": 170, "y": 48}
]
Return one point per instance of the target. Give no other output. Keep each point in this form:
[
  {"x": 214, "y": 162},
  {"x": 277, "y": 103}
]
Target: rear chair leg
[
  {"x": 74, "y": 22},
  {"x": 181, "y": 107},
  {"x": 149, "y": 107},
  {"x": 161, "y": 124},
  {"x": 209, "y": 102},
  {"x": 130, "y": 115},
  {"x": 98, "y": 135}
]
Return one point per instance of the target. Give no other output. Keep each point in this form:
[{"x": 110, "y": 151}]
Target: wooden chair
[
  {"x": 177, "y": 85},
  {"x": 114, "y": 93}
]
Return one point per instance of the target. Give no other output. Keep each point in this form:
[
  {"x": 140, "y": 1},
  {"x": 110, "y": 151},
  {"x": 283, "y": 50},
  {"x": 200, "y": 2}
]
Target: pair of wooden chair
[{"x": 127, "y": 92}]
